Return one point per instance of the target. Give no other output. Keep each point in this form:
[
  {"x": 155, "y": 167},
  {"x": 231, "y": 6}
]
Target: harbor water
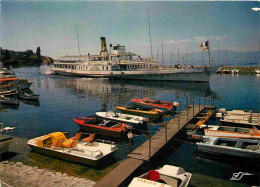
[{"x": 62, "y": 98}]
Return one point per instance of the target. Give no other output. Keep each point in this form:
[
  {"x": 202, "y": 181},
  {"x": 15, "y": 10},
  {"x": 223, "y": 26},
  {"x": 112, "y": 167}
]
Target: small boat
[
  {"x": 125, "y": 118},
  {"x": 230, "y": 146},
  {"x": 9, "y": 100},
  {"x": 28, "y": 96},
  {"x": 239, "y": 118},
  {"x": 164, "y": 177},
  {"x": 155, "y": 104},
  {"x": 58, "y": 145},
  {"x": 101, "y": 126},
  {"x": 133, "y": 110},
  {"x": 257, "y": 71},
  {"x": 205, "y": 118},
  {"x": 231, "y": 132},
  {"x": 5, "y": 140}
]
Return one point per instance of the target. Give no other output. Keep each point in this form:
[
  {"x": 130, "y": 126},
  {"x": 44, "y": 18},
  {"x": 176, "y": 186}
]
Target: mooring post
[
  {"x": 199, "y": 105},
  {"x": 149, "y": 136},
  {"x": 130, "y": 136},
  {"x": 187, "y": 109},
  {"x": 193, "y": 104},
  {"x": 179, "y": 117},
  {"x": 190, "y": 100},
  {"x": 166, "y": 124}
]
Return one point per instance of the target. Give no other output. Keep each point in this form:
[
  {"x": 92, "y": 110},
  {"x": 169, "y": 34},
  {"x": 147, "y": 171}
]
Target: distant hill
[{"x": 21, "y": 58}]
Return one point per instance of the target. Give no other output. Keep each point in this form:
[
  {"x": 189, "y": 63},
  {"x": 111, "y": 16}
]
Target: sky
[{"x": 177, "y": 25}]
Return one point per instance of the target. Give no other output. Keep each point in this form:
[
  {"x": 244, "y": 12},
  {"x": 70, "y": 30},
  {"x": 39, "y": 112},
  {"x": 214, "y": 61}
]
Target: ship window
[{"x": 107, "y": 67}]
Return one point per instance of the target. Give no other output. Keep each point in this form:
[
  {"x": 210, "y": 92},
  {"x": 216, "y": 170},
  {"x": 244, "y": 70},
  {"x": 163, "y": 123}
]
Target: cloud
[{"x": 179, "y": 41}]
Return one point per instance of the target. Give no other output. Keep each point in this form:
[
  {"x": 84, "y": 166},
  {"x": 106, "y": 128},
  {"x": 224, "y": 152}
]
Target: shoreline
[{"x": 18, "y": 174}]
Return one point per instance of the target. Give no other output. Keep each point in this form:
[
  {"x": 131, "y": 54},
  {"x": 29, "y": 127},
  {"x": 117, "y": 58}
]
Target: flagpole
[{"x": 209, "y": 52}]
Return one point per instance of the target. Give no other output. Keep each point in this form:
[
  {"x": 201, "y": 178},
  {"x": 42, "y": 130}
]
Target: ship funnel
[{"x": 103, "y": 45}]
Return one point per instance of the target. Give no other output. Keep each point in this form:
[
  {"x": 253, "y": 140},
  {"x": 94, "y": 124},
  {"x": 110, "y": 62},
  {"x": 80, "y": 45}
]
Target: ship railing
[{"x": 105, "y": 141}]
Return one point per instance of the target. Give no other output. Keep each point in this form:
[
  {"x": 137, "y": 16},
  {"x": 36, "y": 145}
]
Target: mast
[
  {"x": 218, "y": 57},
  {"x": 178, "y": 56},
  {"x": 77, "y": 39},
  {"x": 171, "y": 58},
  {"x": 192, "y": 57},
  {"x": 162, "y": 55},
  {"x": 157, "y": 55},
  {"x": 150, "y": 35},
  {"x": 186, "y": 60},
  {"x": 226, "y": 57}
]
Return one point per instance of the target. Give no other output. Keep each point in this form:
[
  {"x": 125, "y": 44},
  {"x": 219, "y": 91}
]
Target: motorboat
[
  {"x": 125, "y": 118},
  {"x": 239, "y": 118},
  {"x": 74, "y": 149},
  {"x": 246, "y": 148},
  {"x": 166, "y": 176},
  {"x": 6, "y": 77},
  {"x": 138, "y": 111},
  {"x": 231, "y": 132},
  {"x": 155, "y": 104},
  {"x": 101, "y": 126}
]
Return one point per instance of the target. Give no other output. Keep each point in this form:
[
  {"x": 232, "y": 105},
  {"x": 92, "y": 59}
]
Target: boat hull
[
  {"x": 196, "y": 74},
  {"x": 67, "y": 157},
  {"x": 4, "y": 144},
  {"x": 139, "y": 113},
  {"x": 226, "y": 151}
]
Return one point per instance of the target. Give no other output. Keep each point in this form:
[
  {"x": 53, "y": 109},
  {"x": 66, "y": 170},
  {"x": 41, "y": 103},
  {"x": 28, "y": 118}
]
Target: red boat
[
  {"x": 97, "y": 125},
  {"x": 155, "y": 104}
]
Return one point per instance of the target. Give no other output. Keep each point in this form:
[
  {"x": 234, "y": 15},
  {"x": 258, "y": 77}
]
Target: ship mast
[
  {"x": 77, "y": 39},
  {"x": 150, "y": 34}
]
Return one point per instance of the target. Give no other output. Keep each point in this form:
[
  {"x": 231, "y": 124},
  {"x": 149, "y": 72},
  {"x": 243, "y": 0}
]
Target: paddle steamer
[{"x": 116, "y": 63}]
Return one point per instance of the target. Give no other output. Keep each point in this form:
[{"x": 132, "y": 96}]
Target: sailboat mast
[
  {"x": 162, "y": 55},
  {"x": 178, "y": 56},
  {"x": 150, "y": 35},
  {"x": 77, "y": 39}
]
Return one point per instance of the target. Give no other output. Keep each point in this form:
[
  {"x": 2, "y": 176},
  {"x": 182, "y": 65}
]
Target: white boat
[
  {"x": 59, "y": 146},
  {"x": 116, "y": 63},
  {"x": 164, "y": 177},
  {"x": 230, "y": 146},
  {"x": 240, "y": 118},
  {"x": 231, "y": 132},
  {"x": 125, "y": 118},
  {"x": 257, "y": 71}
]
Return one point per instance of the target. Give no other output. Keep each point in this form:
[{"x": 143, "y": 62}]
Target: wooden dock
[{"x": 158, "y": 141}]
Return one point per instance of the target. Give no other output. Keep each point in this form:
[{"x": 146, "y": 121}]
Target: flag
[{"x": 205, "y": 45}]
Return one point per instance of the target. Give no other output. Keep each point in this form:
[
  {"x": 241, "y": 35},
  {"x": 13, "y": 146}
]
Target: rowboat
[
  {"x": 97, "y": 125},
  {"x": 125, "y": 118},
  {"x": 164, "y": 177},
  {"x": 155, "y": 104},
  {"x": 231, "y": 132},
  {"x": 230, "y": 146},
  {"x": 28, "y": 96},
  {"x": 58, "y": 145},
  {"x": 133, "y": 110}
]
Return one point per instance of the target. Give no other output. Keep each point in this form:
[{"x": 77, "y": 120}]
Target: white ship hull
[{"x": 194, "y": 74}]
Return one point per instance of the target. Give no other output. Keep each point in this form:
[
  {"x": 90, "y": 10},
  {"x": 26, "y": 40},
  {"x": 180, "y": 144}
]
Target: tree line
[{"x": 22, "y": 58}]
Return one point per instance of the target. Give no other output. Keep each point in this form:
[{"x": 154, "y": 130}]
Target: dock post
[
  {"x": 179, "y": 117},
  {"x": 193, "y": 105},
  {"x": 190, "y": 100},
  {"x": 149, "y": 136},
  {"x": 166, "y": 124},
  {"x": 199, "y": 104},
  {"x": 187, "y": 109}
]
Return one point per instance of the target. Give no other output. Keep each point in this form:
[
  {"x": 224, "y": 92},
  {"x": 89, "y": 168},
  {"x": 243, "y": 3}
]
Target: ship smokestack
[{"x": 103, "y": 45}]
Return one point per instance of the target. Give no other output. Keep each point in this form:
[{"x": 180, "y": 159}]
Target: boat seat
[
  {"x": 153, "y": 175},
  {"x": 253, "y": 147},
  {"x": 89, "y": 139},
  {"x": 77, "y": 136}
]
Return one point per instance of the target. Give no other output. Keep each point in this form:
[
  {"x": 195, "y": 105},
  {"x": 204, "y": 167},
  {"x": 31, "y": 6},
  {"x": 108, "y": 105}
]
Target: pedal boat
[
  {"x": 125, "y": 118},
  {"x": 132, "y": 110},
  {"x": 166, "y": 176},
  {"x": 56, "y": 145},
  {"x": 155, "y": 104},
  {"x": 231, "y": 132},
  {"x": 245, "y": 148},
  {"x": 94, "y": 124}
]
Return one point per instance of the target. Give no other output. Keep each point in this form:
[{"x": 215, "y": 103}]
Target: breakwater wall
[{"x": 250, "y": 70}]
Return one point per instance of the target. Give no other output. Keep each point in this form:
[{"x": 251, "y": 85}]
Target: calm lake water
[{"x": 63, "y": 98}]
